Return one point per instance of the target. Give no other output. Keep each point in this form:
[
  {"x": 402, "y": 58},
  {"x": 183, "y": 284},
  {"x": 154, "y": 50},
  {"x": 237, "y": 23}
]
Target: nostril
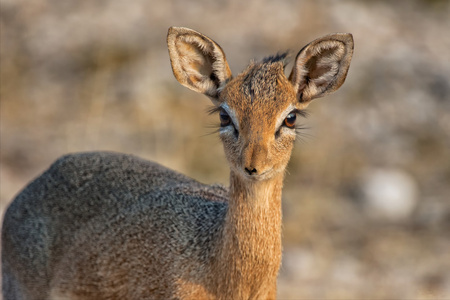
[{"x": 250, "y": 171}]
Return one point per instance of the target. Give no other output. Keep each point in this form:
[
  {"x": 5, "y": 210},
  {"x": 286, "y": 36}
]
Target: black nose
[{"x": 250, "y": 171}]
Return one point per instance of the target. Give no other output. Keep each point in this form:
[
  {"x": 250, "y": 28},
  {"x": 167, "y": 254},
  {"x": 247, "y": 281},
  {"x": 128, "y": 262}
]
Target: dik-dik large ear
[
  {"x": 321, "y": 66},
  {"x": 197, "y": 61}
]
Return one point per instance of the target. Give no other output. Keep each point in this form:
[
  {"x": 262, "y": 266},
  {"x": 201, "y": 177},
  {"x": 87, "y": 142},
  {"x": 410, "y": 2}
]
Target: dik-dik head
[{"x": 258, "y": 108}]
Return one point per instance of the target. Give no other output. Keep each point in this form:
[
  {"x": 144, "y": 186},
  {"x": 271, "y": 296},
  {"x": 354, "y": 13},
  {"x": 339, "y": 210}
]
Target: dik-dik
[{"x": 113, "y": 226}]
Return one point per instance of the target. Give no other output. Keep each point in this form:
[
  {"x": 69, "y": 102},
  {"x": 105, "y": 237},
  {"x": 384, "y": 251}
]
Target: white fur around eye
[
  {"x": 233, "y": 117},
  {"x": 227, "y": 130},
  {"x": 283, "y": 116}
]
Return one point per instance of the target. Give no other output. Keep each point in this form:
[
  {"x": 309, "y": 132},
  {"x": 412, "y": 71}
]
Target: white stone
[{"x": 389, "y": 194}]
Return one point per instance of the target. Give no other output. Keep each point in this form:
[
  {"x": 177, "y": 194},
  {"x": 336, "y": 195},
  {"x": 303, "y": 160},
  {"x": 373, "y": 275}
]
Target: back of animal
[{"x": 113, "y": 204}]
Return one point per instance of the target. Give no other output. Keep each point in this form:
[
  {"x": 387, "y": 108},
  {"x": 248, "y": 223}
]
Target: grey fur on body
[{"x": 142, "y": 196}]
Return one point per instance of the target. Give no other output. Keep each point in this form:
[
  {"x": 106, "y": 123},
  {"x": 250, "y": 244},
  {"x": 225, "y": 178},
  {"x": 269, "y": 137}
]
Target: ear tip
[
  {"x": 345, "y": 37},
  {"x": 349, "y": 37},
  {"x": 350, "y": 41},
  {"x": 171, "y": 33},
  {"x": 179, "y": 30},
  {"x": 173, "y": 30}
]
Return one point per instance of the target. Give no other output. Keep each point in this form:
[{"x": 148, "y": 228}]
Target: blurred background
[{"x": 366, "y": 201}]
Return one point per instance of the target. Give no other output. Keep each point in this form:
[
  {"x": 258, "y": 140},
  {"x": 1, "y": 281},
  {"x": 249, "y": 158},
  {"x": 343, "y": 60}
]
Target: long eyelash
[
  {"x": 303, "y": 113},
  {"x": 213, "y": 110}
]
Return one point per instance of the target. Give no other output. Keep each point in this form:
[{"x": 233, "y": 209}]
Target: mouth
[{"x": 258, "y": 177}]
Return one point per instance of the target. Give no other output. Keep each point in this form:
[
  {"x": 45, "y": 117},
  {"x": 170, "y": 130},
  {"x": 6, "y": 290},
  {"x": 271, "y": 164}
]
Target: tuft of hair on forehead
[
  {"x": 282, "y": 57},
  {"x": 258, "y": 82}
]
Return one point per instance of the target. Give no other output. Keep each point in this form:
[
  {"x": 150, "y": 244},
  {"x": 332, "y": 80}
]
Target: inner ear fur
[
  {"x": 197, "y": 61},
  {"x": 321, "y": 66}
]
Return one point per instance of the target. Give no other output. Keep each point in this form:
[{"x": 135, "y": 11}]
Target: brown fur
[{"x": 112, "y": 226}]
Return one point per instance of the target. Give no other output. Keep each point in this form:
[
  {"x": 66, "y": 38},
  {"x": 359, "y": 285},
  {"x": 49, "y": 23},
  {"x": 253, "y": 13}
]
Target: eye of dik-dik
[
  {"x": 289, "y": 122},
  {"x": 225, "y": 119}
]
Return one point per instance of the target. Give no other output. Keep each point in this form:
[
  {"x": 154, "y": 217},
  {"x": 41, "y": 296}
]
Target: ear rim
[
  {"x": 347, "y": 40},
  {"x": 219, "y": 66}
]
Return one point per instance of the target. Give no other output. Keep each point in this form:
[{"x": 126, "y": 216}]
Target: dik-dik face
[
  {"x": 259, "y": 109},
  {"x": 258, "y": 115}
]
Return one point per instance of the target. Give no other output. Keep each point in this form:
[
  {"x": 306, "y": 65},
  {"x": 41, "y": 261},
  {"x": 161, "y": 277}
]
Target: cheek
[
  {"x": 230, "y": 147},
  {"x": 281, "y": 151}
]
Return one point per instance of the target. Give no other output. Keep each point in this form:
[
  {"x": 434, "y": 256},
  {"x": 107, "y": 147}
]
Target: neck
[{"x": 251, "y": 246}]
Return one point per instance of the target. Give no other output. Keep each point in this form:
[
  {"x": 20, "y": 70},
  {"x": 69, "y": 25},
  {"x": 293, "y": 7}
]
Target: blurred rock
[{"x": 389, "y": 194}]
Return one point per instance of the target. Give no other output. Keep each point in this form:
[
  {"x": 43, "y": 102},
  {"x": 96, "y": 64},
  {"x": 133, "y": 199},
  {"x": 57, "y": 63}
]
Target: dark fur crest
[{"x": 282, "y": 57}]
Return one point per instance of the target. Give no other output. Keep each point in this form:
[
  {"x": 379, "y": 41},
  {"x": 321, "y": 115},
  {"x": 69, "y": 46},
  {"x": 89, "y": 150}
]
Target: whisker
[
  {"x": 301, "y": 135},
  {"x": 212, "y": 126},
  {"x": 215, "y": 127},
  {"x": 305, "y": 134}
]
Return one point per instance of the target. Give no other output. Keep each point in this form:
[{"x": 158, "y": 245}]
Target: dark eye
[
  {"x": 225, "y": 119},
  {"x": 290, "y": 120}
]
